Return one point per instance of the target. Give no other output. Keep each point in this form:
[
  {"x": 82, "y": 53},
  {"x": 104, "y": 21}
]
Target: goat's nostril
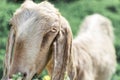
[
  {"x": 10, "y": 77},
  {"x": 24, "y": 74}
]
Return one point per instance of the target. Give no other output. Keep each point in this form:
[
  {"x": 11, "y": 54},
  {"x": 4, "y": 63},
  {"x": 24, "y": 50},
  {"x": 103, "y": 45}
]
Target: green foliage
[
  {"x": 117, "y": 75},
  {"x": 17, "y": 76},
  {"x": 75, "y": 11}
]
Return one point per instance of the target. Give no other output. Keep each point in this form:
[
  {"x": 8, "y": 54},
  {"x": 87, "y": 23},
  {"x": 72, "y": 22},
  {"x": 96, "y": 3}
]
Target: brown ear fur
[{"x": 62, "y": 50}]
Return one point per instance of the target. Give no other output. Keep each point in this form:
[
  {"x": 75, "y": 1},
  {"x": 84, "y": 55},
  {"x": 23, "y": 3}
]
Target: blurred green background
[{"x": 74, "y": 11}]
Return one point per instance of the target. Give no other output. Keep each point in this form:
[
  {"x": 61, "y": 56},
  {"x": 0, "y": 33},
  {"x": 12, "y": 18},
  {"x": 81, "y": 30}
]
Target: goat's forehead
[{"x": 24, "y": 14}]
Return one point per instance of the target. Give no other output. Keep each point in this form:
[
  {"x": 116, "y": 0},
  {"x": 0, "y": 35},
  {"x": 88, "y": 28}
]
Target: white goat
[
  {"x": 93, "y": 54},
  {"x": 40, "y": 37}
]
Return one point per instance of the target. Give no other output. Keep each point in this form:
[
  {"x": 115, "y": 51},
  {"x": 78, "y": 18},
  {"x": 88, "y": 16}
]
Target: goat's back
[{"x": 97, "y": 46}]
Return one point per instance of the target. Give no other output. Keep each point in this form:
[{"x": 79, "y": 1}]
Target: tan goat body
[{"x": 40, "y": 37}]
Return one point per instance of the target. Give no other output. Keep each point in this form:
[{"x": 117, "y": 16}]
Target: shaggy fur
[
  {"x": 40, "y": 37},
  {"x": 93, "y": 53}
]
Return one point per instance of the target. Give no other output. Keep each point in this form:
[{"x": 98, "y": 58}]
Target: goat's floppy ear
[
  {"x": 62, "y": 51},
  {"x": 8, "y": 55}
]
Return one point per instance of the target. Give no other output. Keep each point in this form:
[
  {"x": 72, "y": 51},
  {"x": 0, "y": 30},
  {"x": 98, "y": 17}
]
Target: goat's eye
[{"x": 53, "y": 30}]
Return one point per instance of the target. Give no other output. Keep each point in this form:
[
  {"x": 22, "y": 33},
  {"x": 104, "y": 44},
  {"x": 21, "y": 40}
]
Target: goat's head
[{"x": 37, "y": 32}]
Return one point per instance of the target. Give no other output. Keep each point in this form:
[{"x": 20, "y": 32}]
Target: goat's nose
[
  {"x": 22, "y": 75},
  {"x": 25, "y": 74}
]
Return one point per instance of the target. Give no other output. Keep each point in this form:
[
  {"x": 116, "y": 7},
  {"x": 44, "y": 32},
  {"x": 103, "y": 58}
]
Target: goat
[
  {"x": 93, "y": 53},
  {"x": 40, "y": 37}
]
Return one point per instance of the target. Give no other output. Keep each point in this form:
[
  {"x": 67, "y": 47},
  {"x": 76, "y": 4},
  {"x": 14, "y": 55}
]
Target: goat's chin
[{"x": 30, "y": 76}]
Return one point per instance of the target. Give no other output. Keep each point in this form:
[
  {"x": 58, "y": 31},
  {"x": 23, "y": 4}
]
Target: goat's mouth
[{"x": 20, "y": 76}]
